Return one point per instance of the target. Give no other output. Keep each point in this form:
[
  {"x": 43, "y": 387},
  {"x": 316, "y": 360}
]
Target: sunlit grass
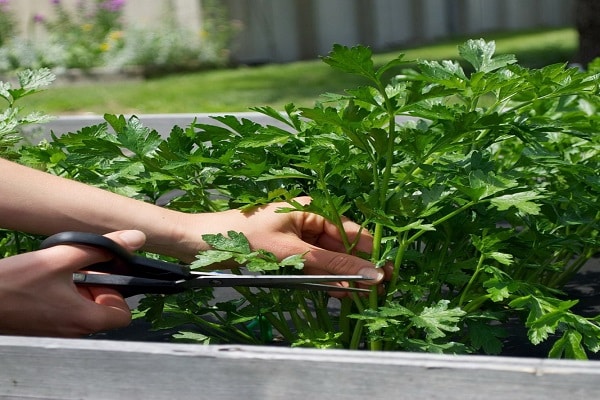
[{"x": 238, "y": 89}]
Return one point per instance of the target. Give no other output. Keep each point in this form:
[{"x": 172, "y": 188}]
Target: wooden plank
[{"x": 44, "y": 368}]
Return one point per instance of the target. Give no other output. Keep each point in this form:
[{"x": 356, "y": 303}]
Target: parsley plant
[{"x": 478, "y": 180}]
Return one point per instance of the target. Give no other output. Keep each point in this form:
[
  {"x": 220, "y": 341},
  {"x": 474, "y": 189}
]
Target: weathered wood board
[{"x": 45, "y": 368}]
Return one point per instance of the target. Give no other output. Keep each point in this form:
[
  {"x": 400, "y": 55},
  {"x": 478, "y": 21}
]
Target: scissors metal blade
[
  {"x": 302, "y": 282},
  {"x": 322, "y": 287},
  {"x": 282, "y": 281}
]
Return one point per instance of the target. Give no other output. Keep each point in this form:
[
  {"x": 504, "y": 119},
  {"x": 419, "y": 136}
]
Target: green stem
[
  {"x": 344, "y": 321},
  {"x": 226, "y": 332},
  {"x": 320, "y": 301},
  {"x": 472, "y": 280},
  {"x": 308, "y": 316},
  {"x": 475, "y": 303},
  {"x": 298, "y": 321},
  {"x": 443, "y": 219},
  {"x": 403, "y": 243},
  {"x": 561, "y": 278},
  {"x": 382, "y": 187},
  {"x": 357, "y": 335},
  {"x": 279, "y": 322},
  {"x": 336, "y": 218},
  {"x": 281, "y": 326},
  {"x": 375, "y": 255}
]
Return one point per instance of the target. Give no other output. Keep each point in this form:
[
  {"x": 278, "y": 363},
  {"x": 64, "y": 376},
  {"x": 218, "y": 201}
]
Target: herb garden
[{"x": 477, "y": 179}]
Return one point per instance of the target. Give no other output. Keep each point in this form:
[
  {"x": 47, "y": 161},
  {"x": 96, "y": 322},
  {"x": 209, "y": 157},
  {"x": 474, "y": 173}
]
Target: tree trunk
[{"x": 588, "y": 26}]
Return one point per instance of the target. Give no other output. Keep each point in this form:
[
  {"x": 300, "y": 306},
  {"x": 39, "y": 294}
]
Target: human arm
[
  {"x": 38, "y": 296},
  {"x": 36, "y": 202}
]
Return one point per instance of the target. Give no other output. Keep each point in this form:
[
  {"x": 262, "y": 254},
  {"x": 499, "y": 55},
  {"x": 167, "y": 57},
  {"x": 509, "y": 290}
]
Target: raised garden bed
[
  {"x": 482, "y": 180},
  {"x": 585, "y": 286},
  {"x": 76, "y": 369}
]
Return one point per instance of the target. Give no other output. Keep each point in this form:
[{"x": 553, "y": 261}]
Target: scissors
[{"x": 132, "y": 274}]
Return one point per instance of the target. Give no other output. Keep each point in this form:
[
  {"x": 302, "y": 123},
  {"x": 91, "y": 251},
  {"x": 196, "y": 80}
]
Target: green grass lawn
[{"x": 238, "y": 89}]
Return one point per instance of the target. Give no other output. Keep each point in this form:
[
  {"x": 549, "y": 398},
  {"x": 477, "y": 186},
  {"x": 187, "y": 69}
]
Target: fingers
[{"x": 109, "y": 310}]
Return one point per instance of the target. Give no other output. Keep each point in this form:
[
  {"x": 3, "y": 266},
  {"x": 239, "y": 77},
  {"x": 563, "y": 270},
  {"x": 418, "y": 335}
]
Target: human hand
[
  {"x": 38, "y": 296},
  {"x": 296, "y": 232}
]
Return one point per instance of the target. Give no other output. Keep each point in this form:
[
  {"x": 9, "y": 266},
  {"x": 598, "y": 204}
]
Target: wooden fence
[{"x": 288, "y": 30}]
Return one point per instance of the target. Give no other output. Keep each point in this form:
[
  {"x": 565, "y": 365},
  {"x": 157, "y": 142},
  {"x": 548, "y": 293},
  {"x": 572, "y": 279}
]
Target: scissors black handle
[
  {"x": 124, "y": 262},
  {"x": 129, "y": 285}
]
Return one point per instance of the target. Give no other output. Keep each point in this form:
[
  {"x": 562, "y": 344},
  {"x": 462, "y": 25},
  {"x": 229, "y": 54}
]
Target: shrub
[{"x": 94, "y": 35}]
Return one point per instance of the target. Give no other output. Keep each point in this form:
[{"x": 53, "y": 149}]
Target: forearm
[{"x": 37, "y": 202}]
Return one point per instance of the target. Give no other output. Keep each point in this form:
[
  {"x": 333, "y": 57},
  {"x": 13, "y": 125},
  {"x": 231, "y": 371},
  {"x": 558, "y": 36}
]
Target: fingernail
[
  {"x": 132, "y": 238},
  {"x": 373, "y": 274}
]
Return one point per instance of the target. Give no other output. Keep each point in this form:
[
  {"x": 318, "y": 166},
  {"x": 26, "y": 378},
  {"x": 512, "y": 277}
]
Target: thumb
[
  {"x": 336, "y": 263},
  {"x": 129, "y": 239},
  {"x": 73, "y": 257}
]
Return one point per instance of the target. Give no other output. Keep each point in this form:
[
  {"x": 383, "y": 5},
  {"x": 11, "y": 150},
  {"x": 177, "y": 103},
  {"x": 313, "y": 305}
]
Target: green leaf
[
  {"x": 35, "y": 118},
  {"x": 447, "y": 73},
  {"x": 210, "y": 258},
  {"x": 135, "y": 137},
  {"x": 356, "y": 60},
  {"x": 318, "y": 339},
  {"x": 295, "y": 261},
  {"x": 480, "y": 54},
  {"x": 31, "y": 81},
  {"x": 292, "y": 119},
  {"x": 502, "y": 258},
  {"x": 233, "y": 242},
  {"x": 482, "y": 184},
  {"x": 438, "y": 320},
  {"x": 569, "y": 346},
  {"x": 485, "y": 336},
  {"x": 5, "y": 91},
  {"x": 498, "y": 289},
  {"x": 191, "y": 337},
  {"x": 259, "y": 264},
  {"x": 522, "y": 201},
  {"x": 284, "y": 173},
  {"x": 266, "y": 137},
  {"x": 383, "y": 317},
  {"x": 394, "y": 63}
]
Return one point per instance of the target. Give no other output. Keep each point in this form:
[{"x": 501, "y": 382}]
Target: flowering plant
[
  {"x": 94, "y": 34},
  {"x": 7, "y": 22},
  {"x": 88, "y": 32}
]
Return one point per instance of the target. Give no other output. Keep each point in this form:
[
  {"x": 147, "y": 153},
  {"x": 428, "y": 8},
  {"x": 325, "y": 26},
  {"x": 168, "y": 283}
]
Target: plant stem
[
  {"x": 356, "y": 335},
  {"x": 224, "y": 331},
  {"x": 475, "y": 303},
  {"x": 402, "y": 245},
  {"x": 344, "y": 321},
  {"x": 279, "y": 322},
  {"x": 310, "y": 319},
  {"x": 466, "y": 289}
]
